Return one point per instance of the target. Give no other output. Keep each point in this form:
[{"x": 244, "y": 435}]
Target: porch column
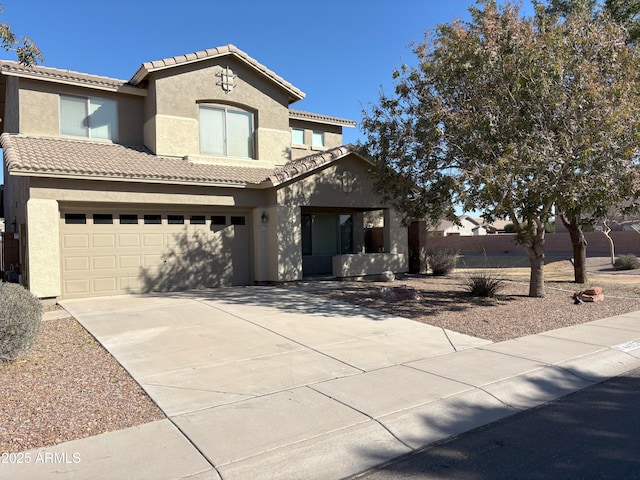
[
  {"x": 289, "y": 243},
  {"x": 395, "y": 233},
  {"x": 358, "y": 232}
]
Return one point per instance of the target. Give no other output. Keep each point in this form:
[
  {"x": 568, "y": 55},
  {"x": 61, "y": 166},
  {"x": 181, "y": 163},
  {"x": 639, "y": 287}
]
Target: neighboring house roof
[
  {"x": 315, "y": 117},
  {"x": 68, "y": 158},
  {"x": 149, "y": 67}
]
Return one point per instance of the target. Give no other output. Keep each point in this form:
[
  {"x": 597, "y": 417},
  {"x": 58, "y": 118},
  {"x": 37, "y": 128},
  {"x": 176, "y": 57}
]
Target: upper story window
[
  {"x": 90, "y": 117},
  {"x": 226, "y": 131},
  {"x": 297, "y": 136},
  {"x": 317, "y": 139}
]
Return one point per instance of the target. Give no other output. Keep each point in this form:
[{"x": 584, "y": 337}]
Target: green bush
[
  {"x": 442, "y": 261},
  {"x": 485, "y": 284},
  {"x": 20, "y": 316},
  {"x": 626, "y": 262}
]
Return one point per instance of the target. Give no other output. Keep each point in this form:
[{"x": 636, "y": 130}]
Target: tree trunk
[
  {"x": 579, "y": 244},
  {"x": 535, "y": 252}
]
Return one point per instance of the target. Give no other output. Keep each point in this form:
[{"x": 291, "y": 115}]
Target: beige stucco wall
[
  {"x": 66, "y": 190},
  {"x": 39, "y": 109},
  {"x": 43, "y": 237},
  {"x": 174, "y": 99},
  {"x": 332, "y": 137},
  {"x": 327, "y": 188}
]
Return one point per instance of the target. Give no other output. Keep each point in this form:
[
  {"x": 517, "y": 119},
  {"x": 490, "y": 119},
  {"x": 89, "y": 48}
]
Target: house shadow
[
  {"x": 195, "y": 261},
  {"x": 582, "y": 434}
]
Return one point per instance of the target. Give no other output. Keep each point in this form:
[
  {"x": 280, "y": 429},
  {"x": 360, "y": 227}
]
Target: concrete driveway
[{"x": 279, "y": 383}]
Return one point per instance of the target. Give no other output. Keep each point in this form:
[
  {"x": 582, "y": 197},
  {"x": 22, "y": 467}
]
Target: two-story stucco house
[{"x": 194, "y": 173}]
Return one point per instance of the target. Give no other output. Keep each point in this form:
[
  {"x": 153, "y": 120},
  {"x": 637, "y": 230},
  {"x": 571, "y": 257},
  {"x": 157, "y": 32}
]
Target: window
[
  {"x": 89, "y": 117},
  {"x": 197, "y": 220},
  {"x": 175, "y": 219},
  {"x": 238, "y": 221},
  {"x": 317, "y": 139},
  {"x": 226, "y": 131},
  {"x": 297, "y": 136},
  {"x": 218, "y": 220},
  {"x": 128, "y": 219},
  {"x": 75, "y": 218},
  {"x": 102, "y": 219},
  {"x": 152, "y": 219}
]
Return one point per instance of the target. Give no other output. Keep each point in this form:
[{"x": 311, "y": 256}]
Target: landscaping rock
[{"x": 387, "y": 276}]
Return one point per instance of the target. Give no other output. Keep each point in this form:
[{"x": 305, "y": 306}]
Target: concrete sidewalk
[{"x": 272, "y": 383}]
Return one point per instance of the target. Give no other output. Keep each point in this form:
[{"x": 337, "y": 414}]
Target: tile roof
[
  {"x": 305, "y": 165},
  {"x": 298, "y": 114},
  {"x": 63, "y": 157},
  {"x": 66, "y": 157},
  {"x": 147, "y": 67},
  {"x": 8, "y": 67}
]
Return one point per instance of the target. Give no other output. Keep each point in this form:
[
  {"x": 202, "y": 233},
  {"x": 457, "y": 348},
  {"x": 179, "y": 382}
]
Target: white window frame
[
  {"x": 224, "y": 149},
  {"x": 92, "y": 105}
]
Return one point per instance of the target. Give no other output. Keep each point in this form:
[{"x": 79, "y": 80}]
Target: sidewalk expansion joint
[
  {"x": 202, "y": 454},
  {"x": 255, "y": 324},
  {"x": 365, "y": 414}
]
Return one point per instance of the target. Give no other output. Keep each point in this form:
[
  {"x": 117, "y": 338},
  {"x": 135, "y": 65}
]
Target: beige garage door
[{"x": 115, "y": 252}]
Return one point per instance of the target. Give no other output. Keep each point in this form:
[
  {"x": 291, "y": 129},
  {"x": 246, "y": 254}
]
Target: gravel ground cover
[
  {"x": 444, "y": 302},
  {"x": 67, "y": 386}
]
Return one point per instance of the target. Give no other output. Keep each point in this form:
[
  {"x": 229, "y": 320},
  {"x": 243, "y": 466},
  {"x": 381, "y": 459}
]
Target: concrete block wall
[{"x": 556, "y": 244}]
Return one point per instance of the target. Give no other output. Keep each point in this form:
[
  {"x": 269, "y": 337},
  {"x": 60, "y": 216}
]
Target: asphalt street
[{"x": 591, "y": 434}]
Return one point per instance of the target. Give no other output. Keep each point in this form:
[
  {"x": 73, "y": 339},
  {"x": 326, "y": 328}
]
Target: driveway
[{"x": 278, "y": 383}]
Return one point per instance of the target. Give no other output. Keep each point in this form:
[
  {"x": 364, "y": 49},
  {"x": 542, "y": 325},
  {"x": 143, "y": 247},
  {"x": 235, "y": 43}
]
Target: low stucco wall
[{"x": 363, "y": 264}]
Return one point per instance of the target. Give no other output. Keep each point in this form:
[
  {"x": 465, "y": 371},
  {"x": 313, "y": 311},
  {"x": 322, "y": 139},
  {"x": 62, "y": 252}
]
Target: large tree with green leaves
[
  {"x": 510, "y": 116},
  {"x": 592, "y": 208},
  {"x": 25, "y": 49}
]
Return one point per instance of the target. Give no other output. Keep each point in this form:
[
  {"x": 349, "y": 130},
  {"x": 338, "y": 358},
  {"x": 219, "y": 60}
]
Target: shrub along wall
[{"x": 557, "y": 244}]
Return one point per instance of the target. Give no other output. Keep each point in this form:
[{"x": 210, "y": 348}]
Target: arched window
[{"x": 226, "y": 131}]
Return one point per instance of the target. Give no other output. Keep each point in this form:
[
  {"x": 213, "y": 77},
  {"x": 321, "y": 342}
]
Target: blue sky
[{"x": 340, "y": 53}]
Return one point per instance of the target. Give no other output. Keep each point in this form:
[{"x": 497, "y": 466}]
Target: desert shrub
[
  {"x": 442, "y": 261},
  {"x": 485, "y": 284},
  {"x": 626, "y": 262},
  {"x": 20, "y": 316}
]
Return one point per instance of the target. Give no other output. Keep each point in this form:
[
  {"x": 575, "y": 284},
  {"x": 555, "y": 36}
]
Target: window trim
[
  {"x": 114, "y": 132},
  {"x": 293, "y": 142},
  {"x": 225, "y": 109},
  {"x": 313, "y": 139}
]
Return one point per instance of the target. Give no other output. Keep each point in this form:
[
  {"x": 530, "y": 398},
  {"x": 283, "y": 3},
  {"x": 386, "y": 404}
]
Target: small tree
[{"x": 25, "y": 49}]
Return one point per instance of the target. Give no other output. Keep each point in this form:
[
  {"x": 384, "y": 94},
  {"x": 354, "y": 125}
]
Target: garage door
[{"x": 115, "y": 252}]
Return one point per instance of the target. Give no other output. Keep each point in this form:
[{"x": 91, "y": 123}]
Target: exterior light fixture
[{"x": 264, "y": 217}]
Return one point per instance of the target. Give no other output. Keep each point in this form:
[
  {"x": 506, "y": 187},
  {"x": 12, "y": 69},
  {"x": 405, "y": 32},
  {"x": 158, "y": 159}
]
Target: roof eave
[
  {"x": 125, "y": 88},
  {"x": 147, "y": 68},
  {"x": 20, "y": 172}
]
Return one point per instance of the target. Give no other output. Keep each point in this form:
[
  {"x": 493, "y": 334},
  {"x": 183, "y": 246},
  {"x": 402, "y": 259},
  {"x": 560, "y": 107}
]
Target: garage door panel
[
  {"x": 105, "y": 286},
  {"x": 130, "y": 261},
  {"x": 103, "y": 240},
  {"x": 80, "y": 287},
  {"x": 130, "y": 284},
  {"x": 77, "y": 264},
  {"x": 130, "y": 257},
  {"x": 75, "y": 241},
  {"x": 129, "y": 240},
  {"x": 153, "y": 239},
  {"x": 104, "y": 262}
]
